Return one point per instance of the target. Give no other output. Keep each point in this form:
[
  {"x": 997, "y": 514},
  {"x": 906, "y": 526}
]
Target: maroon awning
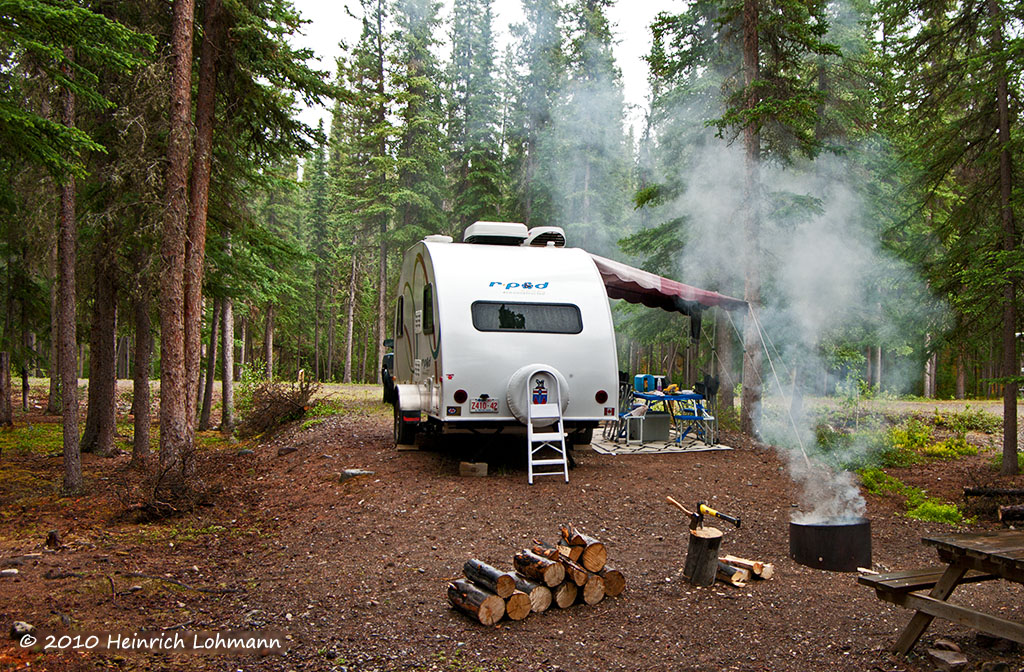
[{"x": 638, "y": 286}]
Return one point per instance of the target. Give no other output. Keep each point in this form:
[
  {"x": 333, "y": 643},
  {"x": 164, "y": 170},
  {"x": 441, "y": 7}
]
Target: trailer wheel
[
  {"x": 405, "y": 432},
  {"x": 582, "y": 437}
]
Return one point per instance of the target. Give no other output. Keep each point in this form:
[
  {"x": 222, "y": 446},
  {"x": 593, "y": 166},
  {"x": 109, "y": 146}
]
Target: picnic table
[{"x": 967, "y": 558}]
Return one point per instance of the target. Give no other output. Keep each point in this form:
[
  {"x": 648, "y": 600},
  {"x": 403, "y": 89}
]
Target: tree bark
[
  {"x": 502, "y": 584},
  {"x": 227, "y": 401},
  {"x": 243, "y": 339},
  {"x": 535, "y": 567},
  {"x": 750, "y": 410},
  {"x": 6, "y": 412},
  {"x": 329, "y": 364},
  {"x": 195, "y": 237},
  {"x": 140, "y": 388},
  {"x": 1010, "y": 361},
  {"x": 101, "y": 416},
  {"x": 211, "y": 367},
  {"x": 67, "y": 242},
  {"x": 350, "y": 318},
  {"x": 268, "y": 343},
  {"x": 53, "y": 400}
]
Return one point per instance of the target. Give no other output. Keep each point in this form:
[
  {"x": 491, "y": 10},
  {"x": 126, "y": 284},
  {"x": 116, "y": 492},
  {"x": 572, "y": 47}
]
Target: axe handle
[{"x": 681, "y": 507}]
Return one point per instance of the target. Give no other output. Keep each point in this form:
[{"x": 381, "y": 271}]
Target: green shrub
[
  {"x": 968, "y": 420},
  {"x": 877, "y": 482},
  {"x": 249, "y": 378},
  {"x": 936, "y": 511},
  {"x": 950, "y": 449}
]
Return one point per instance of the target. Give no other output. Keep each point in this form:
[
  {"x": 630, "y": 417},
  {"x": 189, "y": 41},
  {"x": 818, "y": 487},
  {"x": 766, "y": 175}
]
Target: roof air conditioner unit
[
  {"x": 495, "y": 233},
  {"x": 544, "y": 236}
]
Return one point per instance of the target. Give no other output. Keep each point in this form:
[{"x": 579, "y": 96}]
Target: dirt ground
[{"x": 355, "y": 571}]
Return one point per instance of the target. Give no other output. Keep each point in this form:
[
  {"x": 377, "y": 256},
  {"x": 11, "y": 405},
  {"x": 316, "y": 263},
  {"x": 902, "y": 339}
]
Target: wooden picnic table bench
[{"x": 969, "y": 558}]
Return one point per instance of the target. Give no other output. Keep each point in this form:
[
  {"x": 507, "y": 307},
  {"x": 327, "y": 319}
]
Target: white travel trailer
[{"x": 485, "y": 327}]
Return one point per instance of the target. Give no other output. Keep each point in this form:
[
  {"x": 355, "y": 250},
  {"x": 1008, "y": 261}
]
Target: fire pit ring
[{"x": 836, "y": 546}]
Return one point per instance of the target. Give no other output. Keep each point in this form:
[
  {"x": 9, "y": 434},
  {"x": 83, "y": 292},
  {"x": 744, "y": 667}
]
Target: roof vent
[
  {"x": 437, "y": 238},
  {"x": 495, "y": 233},
  {"x": 545, "y": 236}
]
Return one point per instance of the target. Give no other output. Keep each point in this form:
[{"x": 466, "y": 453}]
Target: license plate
[{"x": 483, "y": 406}]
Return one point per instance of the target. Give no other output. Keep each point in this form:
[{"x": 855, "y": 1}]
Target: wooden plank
[
  {"x": 916, "y": 579},
  {"x": 945, "y": 586},
  {"x": 933, "y": 607}
]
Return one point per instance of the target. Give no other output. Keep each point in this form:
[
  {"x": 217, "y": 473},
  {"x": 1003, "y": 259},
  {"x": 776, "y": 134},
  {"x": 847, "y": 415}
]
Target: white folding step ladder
[{"x": 550, "y": 436}]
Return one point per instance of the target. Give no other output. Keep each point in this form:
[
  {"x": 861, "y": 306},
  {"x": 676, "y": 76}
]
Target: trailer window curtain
[{"x": 543, "y": 318}]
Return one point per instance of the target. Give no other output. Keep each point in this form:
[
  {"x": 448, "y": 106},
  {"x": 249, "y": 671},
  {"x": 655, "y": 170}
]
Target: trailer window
[
  {"x": 428, "y": 309},
  {"x": 543, "y": 318},
  {"x": 400, "y": 317}
]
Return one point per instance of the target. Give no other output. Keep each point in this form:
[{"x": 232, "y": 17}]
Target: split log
[
  {"x": 757, "y": 569},
  {"x": 980, "y": 491},
  {"x": 483, "y": 605},
  {"x": 540, "y": 595},
  {"x": 498, "y": 582},
  {"x": 575, "y": 572},
  {"x": 593, "y": 591},
  {"x": 594, "y": 555},
  {"x": 531, "y": 565},
  {"x": 565, "y": 594},
  {"x": 732, "y": 575},
  {"x": 1010, "y": 514},
  {"x": 518, "y": 606},
  {"x": 702, "y": 556},
  {"x": 571, "y": 552},
  {"x": 614, "y": 581}
]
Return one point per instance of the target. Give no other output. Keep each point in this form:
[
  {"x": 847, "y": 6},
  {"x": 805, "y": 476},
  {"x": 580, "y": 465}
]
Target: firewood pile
[
  {"x": 737, "y": 571},
  {"x": 572, "y": 570}
]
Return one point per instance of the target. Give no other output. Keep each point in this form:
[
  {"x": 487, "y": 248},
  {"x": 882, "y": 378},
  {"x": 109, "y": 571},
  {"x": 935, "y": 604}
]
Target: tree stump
[{"x": 702, "y": 556}]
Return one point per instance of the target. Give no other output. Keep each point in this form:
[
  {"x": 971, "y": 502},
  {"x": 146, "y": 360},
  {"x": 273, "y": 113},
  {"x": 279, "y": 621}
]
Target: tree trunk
[
  {"x": 1010, "y": 362},
  {"x": 211, "y": 367},
  {"x": 227, "y": 417},
  {"x": 53, "y": 399},
  {"x": 195, "y": 237},
  {"x": 268, "y": 342},
  {"x": 140, "y": 389},
  {"x": 329, "y": 364},
  {"x": 101, "y": 417},
  {"x": 6, "y": 412},
  {"x": 316, "y": 328},
  {"x": 350, "y": 318},
  {"x": 878, "y": 367},
  {"x": 67, "y": 242},
  {"x": 961, "y": 373},
  {"x": 750, "y": 410},
  {"x": 243, "y": 347}
]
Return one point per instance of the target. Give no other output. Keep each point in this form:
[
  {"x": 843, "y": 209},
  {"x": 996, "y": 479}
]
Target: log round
[
  {"x": 498, "y": 582},
  {"x": 595, "y": 556},
  {"x": 531, "y": 565},
  {"x": 469, "y": 598},
  {"x": 518, "y": 606},
  {"x": 565, "y": 594},
  {"x": 593, "y": 590},
  {"x": 702, "y": 556},
  {"x": 614, "y": 581},
  {"x": 540, "y": 595}
]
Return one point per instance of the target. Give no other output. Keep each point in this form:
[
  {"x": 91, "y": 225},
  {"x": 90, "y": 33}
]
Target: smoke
[{"x": 825, "y": 279}]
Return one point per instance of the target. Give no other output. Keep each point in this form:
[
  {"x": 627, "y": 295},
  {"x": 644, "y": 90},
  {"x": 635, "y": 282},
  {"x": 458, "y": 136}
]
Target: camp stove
[{"x": 837, "y": 545}]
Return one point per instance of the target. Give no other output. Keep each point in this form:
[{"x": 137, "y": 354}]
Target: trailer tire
[
  {"x": 405, "y": 432},
  {"x": 582, "y": 437}
]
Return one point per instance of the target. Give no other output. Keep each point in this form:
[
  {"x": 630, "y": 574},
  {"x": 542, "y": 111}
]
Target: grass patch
[
  {"x": 997, "y": 461},
  {"x": 41, "y": 438}
]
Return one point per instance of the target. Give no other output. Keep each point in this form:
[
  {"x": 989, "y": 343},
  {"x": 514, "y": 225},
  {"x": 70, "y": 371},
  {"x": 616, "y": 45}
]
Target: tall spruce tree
[{"x": 473, "y": 104}]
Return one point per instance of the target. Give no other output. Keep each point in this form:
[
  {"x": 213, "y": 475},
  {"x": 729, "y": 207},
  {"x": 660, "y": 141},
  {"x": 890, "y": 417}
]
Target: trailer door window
[
  {"x": 428, "y": 309},
  {"x": 542, "y": 318},
  {"x": 400, "y": 317}
]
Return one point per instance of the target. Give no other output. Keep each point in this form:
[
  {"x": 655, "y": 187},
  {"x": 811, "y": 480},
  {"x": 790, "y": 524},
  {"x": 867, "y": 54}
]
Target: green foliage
[
  {"x": 918, "y": 504},
  {"x": 251, "y": 375},
  {"x": 949, "y": 449},
  {"x": 968, "y": 420}
]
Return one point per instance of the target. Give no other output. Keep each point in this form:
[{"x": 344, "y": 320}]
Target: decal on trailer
[{"x": 540, "y": 392}]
